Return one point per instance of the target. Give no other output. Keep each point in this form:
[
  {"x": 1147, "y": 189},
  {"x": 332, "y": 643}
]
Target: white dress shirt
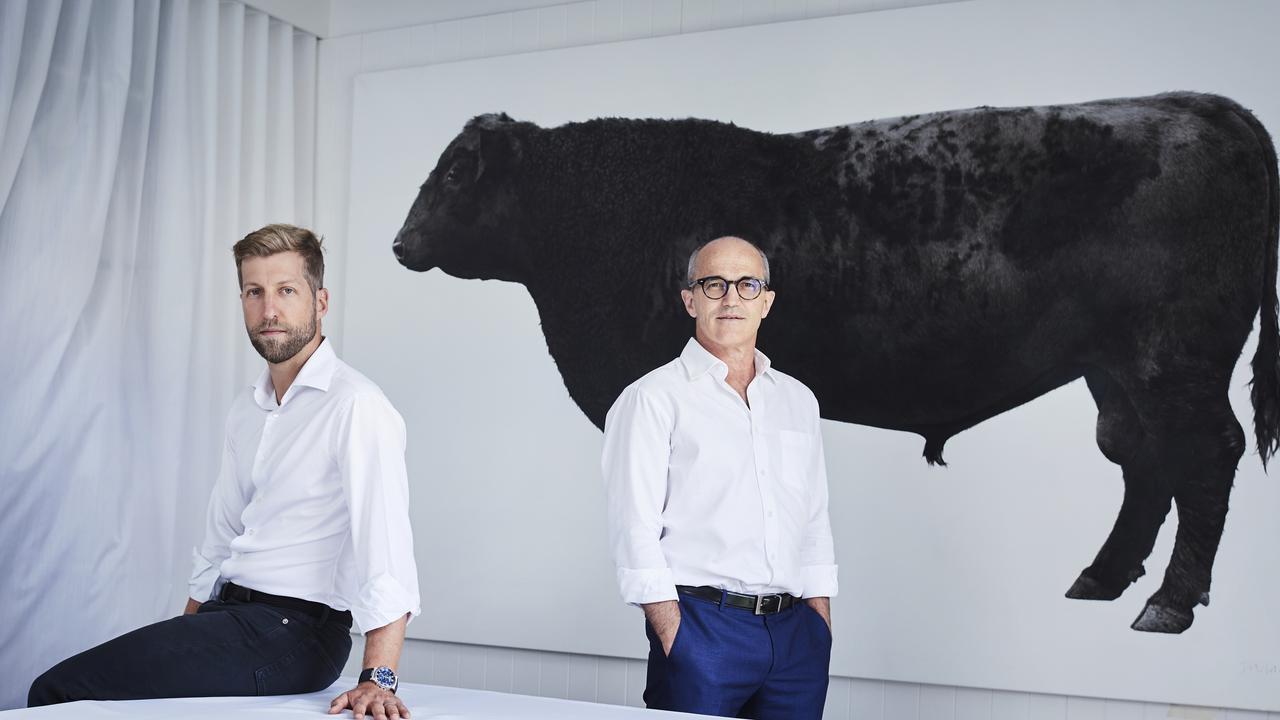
[
  {"x": 704, "y": 490},
  {"x": 312, "y": 500}
]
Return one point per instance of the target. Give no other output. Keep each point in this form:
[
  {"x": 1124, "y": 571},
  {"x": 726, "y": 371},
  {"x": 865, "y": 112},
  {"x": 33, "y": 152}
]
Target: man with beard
[{"x": 307, "y": 528}]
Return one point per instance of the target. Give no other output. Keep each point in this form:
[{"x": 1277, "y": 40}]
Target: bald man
[{"x": 717, "y": 507}]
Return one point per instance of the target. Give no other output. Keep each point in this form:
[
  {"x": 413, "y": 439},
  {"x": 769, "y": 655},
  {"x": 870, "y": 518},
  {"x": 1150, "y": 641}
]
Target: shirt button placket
[
  {"x": 761, "y": 453},
  {"x": 262, "y": 448}
]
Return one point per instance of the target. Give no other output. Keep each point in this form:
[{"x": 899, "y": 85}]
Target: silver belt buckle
[{"x": 760, "y": 601}]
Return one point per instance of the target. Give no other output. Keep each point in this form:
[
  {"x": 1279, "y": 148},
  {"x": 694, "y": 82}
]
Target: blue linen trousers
[{"x": 731, "y": 662}]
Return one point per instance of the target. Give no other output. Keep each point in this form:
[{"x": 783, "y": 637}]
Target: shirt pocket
[{"x": 795, "y": 449}]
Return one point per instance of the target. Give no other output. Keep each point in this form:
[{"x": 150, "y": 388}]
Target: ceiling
[{"x": 333, "y": 18}]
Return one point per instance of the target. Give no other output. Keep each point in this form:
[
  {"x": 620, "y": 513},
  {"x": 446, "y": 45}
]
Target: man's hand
[
  {"x": 368, "y": 698},
  {"x": 822, "y": 606},
  {"x": 665, "y": 618},
  {"x": 381, "y": 648},
  {"x": 192, "y": 607}
]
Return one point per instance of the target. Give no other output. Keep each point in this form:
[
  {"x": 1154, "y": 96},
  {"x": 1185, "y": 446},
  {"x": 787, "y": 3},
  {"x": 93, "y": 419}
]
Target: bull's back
[{"x": 992, "y": 248}]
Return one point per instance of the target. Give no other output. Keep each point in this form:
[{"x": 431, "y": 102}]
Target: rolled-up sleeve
[
  {"x": 817, "y": 554},
  {"x": 222, "y": 525},
  {"x": 637, "y": 450},
  {"x": 370, "y": 454}
]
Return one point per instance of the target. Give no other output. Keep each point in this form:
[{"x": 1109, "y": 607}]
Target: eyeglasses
[{"x": 715, "y": 287}]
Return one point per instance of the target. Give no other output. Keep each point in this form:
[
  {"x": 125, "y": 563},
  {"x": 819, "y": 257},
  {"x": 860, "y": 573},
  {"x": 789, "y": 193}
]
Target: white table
[{"x": 424, "y": 701}]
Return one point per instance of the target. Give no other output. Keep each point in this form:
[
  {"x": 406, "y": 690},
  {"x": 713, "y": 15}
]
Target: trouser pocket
[{"x": 303, "y": 657}]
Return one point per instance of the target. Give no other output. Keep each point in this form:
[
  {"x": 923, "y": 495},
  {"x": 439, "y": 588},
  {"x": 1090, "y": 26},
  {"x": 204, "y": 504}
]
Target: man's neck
[
  {"x": 283, "y": 374},
  {"x": 740, "y": 359}
]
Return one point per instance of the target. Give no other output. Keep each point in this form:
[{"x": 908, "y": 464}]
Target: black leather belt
[
  {"x": 759, "y": 604},
  {"x": 319, "y": 611}
]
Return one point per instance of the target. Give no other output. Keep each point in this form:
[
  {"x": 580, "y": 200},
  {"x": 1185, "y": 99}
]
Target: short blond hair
[{"x": 277, "y": 238}]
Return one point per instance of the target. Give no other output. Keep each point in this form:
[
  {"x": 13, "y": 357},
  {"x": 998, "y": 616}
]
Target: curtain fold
[{"x": 138, "y": 140}]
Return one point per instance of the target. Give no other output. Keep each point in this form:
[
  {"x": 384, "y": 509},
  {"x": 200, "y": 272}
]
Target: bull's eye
[{"x": 459, "y": 170}]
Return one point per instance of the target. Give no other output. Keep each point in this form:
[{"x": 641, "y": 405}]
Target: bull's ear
[{"x": 500, "y": 151}]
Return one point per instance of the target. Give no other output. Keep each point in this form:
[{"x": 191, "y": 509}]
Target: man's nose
[{"x": 269, "y": 309}]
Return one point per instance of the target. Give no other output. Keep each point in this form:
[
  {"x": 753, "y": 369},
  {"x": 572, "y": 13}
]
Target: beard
[{"x": 277, "y": 349}]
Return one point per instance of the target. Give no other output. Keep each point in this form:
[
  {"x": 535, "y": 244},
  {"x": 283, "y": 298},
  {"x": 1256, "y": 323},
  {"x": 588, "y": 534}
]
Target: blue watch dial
[{"x": 384, "y": 677}]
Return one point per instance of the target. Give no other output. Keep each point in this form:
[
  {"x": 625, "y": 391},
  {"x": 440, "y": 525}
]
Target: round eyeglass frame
[{"x": 754, "y": 285}]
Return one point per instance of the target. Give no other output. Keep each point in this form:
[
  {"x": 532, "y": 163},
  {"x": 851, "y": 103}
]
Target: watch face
[{"x": 385, "y": 677}]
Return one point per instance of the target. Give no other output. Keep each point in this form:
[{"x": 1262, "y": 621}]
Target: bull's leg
[
  {"x": 1147, "y": 492},
  {"x": 1199, "y": 442}
]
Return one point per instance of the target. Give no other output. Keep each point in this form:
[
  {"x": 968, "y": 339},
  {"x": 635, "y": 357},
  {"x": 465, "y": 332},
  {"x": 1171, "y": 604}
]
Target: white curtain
[{"x": 138, "y": 141}]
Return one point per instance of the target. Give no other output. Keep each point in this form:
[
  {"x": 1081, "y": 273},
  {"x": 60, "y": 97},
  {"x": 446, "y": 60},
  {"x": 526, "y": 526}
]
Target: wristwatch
[{"x": 382, "y": 676}]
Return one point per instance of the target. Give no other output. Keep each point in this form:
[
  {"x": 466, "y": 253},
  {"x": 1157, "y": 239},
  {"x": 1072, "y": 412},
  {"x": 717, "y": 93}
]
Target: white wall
[{"x": 577, "y": 676}]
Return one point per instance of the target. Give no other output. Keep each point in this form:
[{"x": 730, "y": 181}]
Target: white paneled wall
[{"x": 584, "y": 677}]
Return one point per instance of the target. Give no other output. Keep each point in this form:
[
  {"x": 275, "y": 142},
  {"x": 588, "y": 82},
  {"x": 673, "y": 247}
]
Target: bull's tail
[{"x": 1266, "y": 361}]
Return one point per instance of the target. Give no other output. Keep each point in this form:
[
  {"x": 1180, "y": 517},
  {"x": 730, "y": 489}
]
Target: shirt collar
[
  {"x": 699, "y": 361},
  {"x": 316, "y": 373}
]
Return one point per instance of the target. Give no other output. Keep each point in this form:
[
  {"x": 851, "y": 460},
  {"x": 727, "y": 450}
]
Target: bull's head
[{"x": 467, "y": 218}]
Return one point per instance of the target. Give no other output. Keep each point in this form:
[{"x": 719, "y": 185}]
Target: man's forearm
[
  {"x": 822, "y": 606},
  {"x": 665, "y": 618},
  {"x": 382, "y": 646},
  {"x": 663, "y": 615}
]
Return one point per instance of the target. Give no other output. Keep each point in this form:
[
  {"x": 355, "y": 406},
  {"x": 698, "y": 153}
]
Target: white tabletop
[{"x": 424, "y": 701}]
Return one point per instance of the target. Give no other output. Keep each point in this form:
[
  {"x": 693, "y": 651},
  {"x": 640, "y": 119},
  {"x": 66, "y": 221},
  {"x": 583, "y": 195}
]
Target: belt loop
[
  {"x": 324, "y": 614},
  {"x": 723, "y": 595}
]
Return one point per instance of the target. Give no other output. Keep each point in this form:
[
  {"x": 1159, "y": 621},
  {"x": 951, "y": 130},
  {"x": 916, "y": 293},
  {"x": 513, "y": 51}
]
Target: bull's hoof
[
  {"x": 1157, "y": 618},
  {"x": 1087, "y": 587}
]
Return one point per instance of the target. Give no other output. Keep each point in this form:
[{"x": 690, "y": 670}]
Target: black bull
[{"x": 932, "y": 271}]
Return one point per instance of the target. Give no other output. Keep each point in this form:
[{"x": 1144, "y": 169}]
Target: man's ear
[
  {"x": 768, "y": 304},
  {"x": 687, "y": 296},
  {"x": 322, "y": 302}
]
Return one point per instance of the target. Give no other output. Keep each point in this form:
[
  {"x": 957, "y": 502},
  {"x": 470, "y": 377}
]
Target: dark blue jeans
[
  {"x": 226, "y": 648},
  {"x": 731, "y": 662}
]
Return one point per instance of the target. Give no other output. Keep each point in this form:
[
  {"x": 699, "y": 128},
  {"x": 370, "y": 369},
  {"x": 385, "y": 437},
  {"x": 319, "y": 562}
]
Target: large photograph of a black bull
[{"x": 932, "y": 271}]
